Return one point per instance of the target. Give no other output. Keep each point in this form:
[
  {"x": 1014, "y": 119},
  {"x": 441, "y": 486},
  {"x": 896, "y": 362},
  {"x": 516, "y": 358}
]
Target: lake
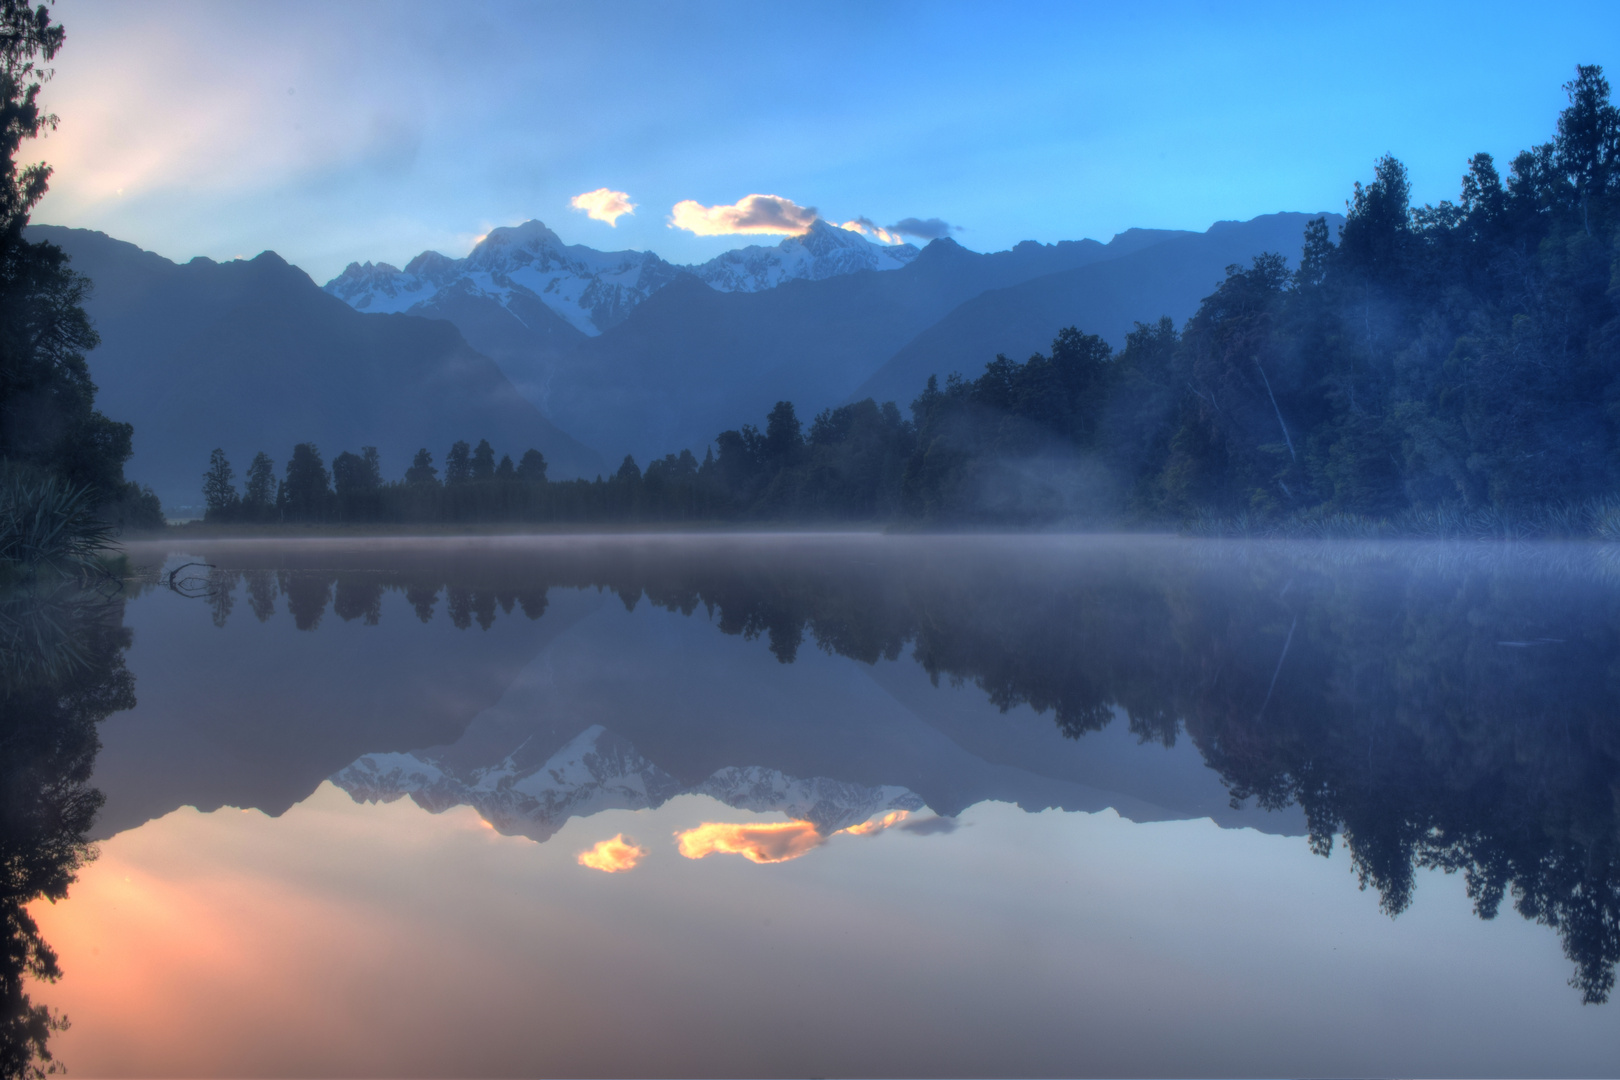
[{"x": 829, "y": 804}]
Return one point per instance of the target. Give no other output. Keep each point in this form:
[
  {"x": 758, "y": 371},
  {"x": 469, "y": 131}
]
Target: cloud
[
  {"x": 771, "y": 841},
  {"x": 765, "y": 842},
  {"x": 893, "y": 817},
  {"x": 867, "y": 227},
  {"x": 613, "y": 856},
  {"x": 751, "y": 214},
  {"x": 924, "y": 229},
  {"x": 604, "y": 204},
  {"x": 930, "y": 826}
]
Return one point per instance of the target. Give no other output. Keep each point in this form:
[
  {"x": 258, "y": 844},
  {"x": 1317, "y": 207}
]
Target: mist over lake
[{"x": 1053, "y": 787}]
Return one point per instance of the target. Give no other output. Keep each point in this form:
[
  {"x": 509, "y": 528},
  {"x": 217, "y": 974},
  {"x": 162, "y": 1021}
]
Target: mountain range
[
  {"x": 592, "y": 290},
  {"x": 251, "y": 355},
  {"x": 587, "y": 355}
]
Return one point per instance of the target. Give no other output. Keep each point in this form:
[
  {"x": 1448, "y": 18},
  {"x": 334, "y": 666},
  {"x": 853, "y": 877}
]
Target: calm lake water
[{"x": 850, "y": 805}]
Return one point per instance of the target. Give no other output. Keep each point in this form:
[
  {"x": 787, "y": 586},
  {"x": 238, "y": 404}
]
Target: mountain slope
[
  {"x": 690, "y": 362},
  {"x": 1169, "y": 277},
  {"x": 253, "y": 356},
  {"x": 526, "y": 300}
]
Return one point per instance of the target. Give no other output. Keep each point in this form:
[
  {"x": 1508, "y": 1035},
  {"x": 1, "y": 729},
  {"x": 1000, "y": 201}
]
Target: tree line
[{"x": 1462, "y": 356}]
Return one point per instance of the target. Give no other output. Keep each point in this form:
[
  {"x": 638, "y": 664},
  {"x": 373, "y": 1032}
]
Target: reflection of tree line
[
  {"x": 61, "y": 672},
  {"x": 1459, "y": 716}
]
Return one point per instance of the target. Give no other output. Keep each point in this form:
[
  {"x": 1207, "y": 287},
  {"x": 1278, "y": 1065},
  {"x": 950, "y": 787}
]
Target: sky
[{"x": 339, "y": 132}]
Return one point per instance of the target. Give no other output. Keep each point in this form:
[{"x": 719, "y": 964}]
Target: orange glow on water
[
  {"x": 769, "y": 842},
  {"x": 893, "y": 817},
  {"x": 613, "y": 856},
  {"x": 763, "y": 842}
]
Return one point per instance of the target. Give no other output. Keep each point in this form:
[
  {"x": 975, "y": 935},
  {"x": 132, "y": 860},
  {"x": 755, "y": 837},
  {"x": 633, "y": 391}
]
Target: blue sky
[{"x": 351, "y": 131}]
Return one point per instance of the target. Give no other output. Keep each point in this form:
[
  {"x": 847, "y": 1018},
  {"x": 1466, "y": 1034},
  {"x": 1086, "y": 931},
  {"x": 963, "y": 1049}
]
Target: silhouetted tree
[
  {"x": 482, "y": 466},
  {"x": 219, "y": 494},
  {"x": 357, "y": 481},
  {"x": 307, "y": 490},
  {"x": 48, "y": 417},
  {"x": 532, "y": 466},
  {"x": 422, "y": 470},
  {"x": 458, "y": 463},
  {"x": 259, "y": 498}
]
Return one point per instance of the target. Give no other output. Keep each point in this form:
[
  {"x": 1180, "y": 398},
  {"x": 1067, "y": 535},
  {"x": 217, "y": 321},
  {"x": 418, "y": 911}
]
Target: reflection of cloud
[
  {"x": 924, "y": 229},
  {"x": 930, "y": 826},
  {"x": 893, "y": 817},
  {"x": 604, "y": 204},
  {"x": 772, "y": 841},
  {"x": 867, "y": 227},
  {"x": 766, "y": 214},
  {"x": 765, "y": 842},
  {"x": 613, "y": 856}
]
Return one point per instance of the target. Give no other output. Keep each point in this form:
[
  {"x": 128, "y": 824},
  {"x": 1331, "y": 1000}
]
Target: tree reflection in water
[
  {"x": 61, "y": 672},
  {"x": 1427, "y": 706}
]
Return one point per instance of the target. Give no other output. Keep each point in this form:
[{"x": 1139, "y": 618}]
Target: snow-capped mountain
[
  {"x": 823, "y": 252},
  {"x": 598, "y": 770},
  {"x": 592, "y": 290}
]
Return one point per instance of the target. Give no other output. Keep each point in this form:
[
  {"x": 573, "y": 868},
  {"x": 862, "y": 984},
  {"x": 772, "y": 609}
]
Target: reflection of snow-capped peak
[
  {"x": 593, "y": 289},
  {"x": 830, "y": 805},
  {"x": 597, "y": 770}
]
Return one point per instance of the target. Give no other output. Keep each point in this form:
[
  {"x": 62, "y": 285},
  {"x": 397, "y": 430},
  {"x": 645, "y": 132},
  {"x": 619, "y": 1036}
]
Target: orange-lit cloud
[
  {"x": 765, "y": 842},
  {"x": 752, "y": 214},
  {"x": 604, "y": 204},
  {"x": 893, "y": 817},
  {"x": 769, "y": 842},
  {"x": 613, "y": 856}
]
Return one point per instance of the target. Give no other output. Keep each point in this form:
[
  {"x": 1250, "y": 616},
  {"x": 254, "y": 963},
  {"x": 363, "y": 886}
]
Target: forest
[{"x": 1428, "y": 364}]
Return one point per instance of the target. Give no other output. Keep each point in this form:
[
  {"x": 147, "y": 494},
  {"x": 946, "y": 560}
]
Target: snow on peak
[
  {"x": 598, "y": 770},
  {"x": 592, "y": 290},
  {"x": 825, "y": 251}
]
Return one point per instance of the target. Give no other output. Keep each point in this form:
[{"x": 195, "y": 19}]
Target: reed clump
[{"x": 50, "y": 527}]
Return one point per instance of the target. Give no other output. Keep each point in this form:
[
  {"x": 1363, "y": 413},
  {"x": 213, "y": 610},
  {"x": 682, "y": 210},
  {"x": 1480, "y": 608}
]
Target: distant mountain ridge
[
  {"x": 594, "y": 290},
  {"x": 690, "y": 362},
  {"x": 1158, "y": 274},
  {"x": 251, "y": 355}
]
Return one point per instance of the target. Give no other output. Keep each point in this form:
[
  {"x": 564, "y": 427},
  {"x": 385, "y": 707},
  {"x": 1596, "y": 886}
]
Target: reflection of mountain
[
  {"x": 1441, "y": 706},
  {"x": 445, "y": 646},
  {"x": 596, "y": 771}
]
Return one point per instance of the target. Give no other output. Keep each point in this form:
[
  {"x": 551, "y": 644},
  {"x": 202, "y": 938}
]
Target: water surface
[{"x": 837, "y": 805}]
